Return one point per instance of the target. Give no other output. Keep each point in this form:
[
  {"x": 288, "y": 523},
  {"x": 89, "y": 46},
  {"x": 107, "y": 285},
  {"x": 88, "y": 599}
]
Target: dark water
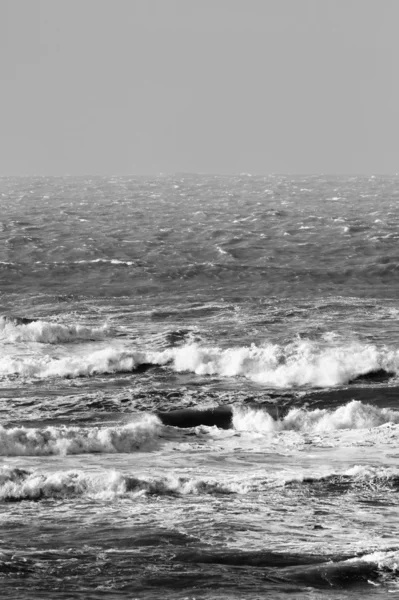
[{"x": 264, "y": 312}]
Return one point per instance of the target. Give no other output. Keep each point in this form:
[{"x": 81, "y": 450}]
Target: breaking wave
[
  {"x": 18, "y": 330},
  {"x": 354, "y": 415},
  {"x": 100, "y": 362},
  {"x": 20, "y": 484},
  {"x": 24, "y": 441},
  {"x": 305, "y": 362}
]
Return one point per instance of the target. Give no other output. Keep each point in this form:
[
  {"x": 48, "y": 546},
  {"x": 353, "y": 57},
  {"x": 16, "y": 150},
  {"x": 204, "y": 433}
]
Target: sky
[{"x": 142, "y": 87}]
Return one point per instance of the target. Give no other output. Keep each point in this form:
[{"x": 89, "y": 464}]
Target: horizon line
[{"x": 206, "y": 174}]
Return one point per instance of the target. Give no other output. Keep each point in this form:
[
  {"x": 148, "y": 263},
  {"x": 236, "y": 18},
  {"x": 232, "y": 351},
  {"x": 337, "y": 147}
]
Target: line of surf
[
  {"x": 306, "y": 363},
  {"x": 20, "y": 484}
]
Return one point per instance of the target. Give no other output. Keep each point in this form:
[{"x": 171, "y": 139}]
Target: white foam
[
  {"x": 24, "y": 441},
  {"x": 354, "y": 415},
  {"x": 360, "y": 472},
  {"x": 49, "y": 333},
  {"x": 106, "y": 361},
  {"x": 111, "y": 261},
  {"x": 18, "y": 484},
  {"x": 302, "y": 363},
  {"x": 320, "y": 363},
  {"x": 32, "y": 486},
  {"x": 384, "y": 560}
]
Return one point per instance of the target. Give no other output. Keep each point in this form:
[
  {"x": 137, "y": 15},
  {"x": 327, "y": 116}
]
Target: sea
[{"x": 199, "y": 387}]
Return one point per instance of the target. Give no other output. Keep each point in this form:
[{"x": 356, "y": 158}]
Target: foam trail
[
  {"x": 17, "y": 330},
  {"x": 354, "y": 415},
  {"x": 23, "y": 441}
]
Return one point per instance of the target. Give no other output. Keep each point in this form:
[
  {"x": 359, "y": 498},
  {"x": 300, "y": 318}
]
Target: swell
[
  {"x": 220, "y": 416},
  {"x": 320, "y": 571}
]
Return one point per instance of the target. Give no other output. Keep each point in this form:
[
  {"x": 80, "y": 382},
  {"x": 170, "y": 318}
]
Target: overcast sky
[{"x": 219, "y": 86}]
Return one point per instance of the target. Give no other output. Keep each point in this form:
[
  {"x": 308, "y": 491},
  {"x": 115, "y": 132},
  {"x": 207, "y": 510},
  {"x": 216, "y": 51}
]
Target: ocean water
[{"x": 199, "y": 387}]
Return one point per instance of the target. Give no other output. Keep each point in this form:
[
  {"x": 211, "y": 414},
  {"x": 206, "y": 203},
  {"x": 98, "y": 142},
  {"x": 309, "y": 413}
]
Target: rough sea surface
[{"x": 265, "y": 311}]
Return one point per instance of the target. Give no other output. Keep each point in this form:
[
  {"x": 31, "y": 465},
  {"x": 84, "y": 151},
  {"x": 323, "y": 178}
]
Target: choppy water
[{"x": 264, "y": 310}]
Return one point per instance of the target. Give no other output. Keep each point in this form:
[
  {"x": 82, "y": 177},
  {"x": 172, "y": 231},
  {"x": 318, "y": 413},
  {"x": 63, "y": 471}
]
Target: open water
[{"x": 199, "y": 387}]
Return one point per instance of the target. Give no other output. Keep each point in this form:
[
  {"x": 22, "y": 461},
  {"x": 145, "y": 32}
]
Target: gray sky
[{"x": 220, "y": 86}]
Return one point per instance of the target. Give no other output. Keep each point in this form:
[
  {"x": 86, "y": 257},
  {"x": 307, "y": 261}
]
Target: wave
[
  {"x": 100, "y": 362},
  {"x": 354, "y": 415},
  {"x": 20, "y": 484},
  {"x": 324, "y": 571},
  {"x": 306, "y": 362},
  {"x": 17, "y": 329},
  {"x": 24, "y": 441},
  {"x": 357, "y": 478},
  {"x": 302, "y": 363}
]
